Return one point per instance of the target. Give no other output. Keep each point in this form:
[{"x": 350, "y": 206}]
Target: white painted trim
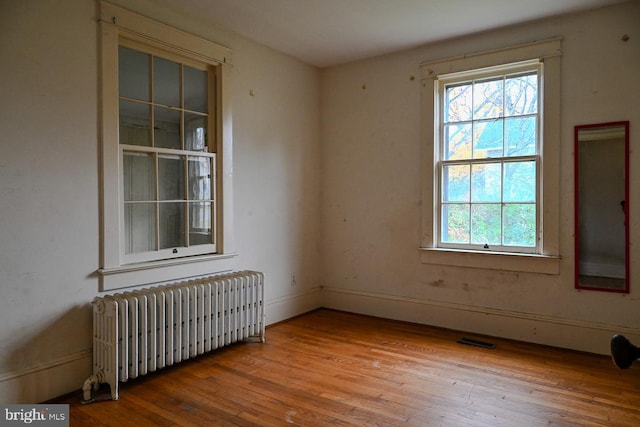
[
  {"x": 549, "y": 53},
  {"x": 164, "y": 263},
  {"x": 39, "y": 383},
  {"x": 163, "y": 271},
  {"x": 291, "y": 305},
  {"x": 529, "y": 263},
  {"x": 541, "y": 329},
  {"x": 539, "y": 49},
  {"x": 7, "y": 376},
  {"x": 115, "y": 24},
  {"x": 162, "y": 35}
]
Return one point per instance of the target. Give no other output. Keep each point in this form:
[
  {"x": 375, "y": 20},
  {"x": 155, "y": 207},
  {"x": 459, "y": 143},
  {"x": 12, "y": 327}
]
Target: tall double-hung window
[
  {"x": 491, "y": 175},
  {"x": 168, "y": 163},
  {"x": 489, "y": 156},
  {"x": 166, "y": 152}
]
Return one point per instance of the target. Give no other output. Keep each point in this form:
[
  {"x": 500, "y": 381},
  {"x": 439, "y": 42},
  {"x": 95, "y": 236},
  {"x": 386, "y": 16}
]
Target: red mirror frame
[{"x": 625, "y": 208}]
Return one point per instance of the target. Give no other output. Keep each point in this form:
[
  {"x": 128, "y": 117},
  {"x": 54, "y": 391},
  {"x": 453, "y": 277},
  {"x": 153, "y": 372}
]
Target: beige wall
[
  {"x": 49, "y": 188},
  {"x": 371, "y": 138},
  {"x": 326, "y": 187}
]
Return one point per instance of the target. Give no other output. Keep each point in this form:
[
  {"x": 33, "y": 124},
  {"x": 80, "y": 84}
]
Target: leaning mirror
[{"x": 602, "y": 206}]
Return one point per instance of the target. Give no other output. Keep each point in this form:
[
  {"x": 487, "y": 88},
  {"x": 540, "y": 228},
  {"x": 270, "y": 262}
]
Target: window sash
[
  {"x": 501, "y": 203},
  {"x": 470, "y": 77},
  {"x": 160, "y": 227},
  {"x": 192, "y": 213}
]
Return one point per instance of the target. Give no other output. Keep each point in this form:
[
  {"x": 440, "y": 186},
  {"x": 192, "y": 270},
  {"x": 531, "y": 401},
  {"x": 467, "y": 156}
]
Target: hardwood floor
[{"x": 335, "y": 368}]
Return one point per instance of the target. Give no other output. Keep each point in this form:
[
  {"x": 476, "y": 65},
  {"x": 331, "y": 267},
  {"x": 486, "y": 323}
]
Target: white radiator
[{"x": 138, "y": 332}]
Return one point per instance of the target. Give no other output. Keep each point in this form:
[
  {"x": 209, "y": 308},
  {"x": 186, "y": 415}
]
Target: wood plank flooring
[{"x": 334, "y": 368}]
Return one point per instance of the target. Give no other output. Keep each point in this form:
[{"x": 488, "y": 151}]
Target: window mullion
[
  {"x": 182, "y": 107},
  {"x": 502, "y": 203},
  {"x": 473, "y": 138},
  {"x": 504, "y": 152},
  {"x": 185, "y": 161},
  {"x": 152, "y": 102},
  {"x": 157, "y": 200},
  {"x": 187, "y": 214},
  {"x": 168, "y": 151}
]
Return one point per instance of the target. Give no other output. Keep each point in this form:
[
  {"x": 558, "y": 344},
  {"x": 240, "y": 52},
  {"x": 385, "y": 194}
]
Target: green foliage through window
[{"x": 489, "y": 161}]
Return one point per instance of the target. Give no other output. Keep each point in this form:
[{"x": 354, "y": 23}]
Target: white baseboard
[
  {"x": 292, "y": 305},
  {"x": 40, "y": 383},
  {"x": 557, "y": 332}
]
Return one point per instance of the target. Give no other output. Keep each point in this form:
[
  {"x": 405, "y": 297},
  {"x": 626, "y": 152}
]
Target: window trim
[
  {"x": 547, "y": 260},
  {"x": 117, "y": 24}
]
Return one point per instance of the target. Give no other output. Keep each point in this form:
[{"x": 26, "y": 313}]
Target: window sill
[
  {"x": 503, "y": 261},
  {"x": 145, "y": 273}
]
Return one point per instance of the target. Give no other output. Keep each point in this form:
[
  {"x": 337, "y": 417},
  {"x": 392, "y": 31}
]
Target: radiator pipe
[{"x": 89, "y": 383}]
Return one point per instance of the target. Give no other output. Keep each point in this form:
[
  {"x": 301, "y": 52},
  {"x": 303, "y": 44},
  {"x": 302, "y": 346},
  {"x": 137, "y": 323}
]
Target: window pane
[
  {"x": 166, "y": 82},
  {"x": 519, "y": 182},
  {"x": 134, "y": 123},
  {"x": 458, "y": 101},
  {"x": 457, "y": 141},
  {"x": 520, "y": 225},
  {"x": 521, "y": 95},
  {"x": 199, "y": 178},
  {"x": 487, "y": 99},
  {"x": 171, "y": 226},
  {"x": 487, "y": 139},
  {"x": 486, "y": 224},
  {"x": 195, "y": 90},
  {"x": 520, "y": 136},
  {"x": 166, "y": 130},
  {"x": 139, "y": 177},
  {"x": 195, "y": 132},
  {"x": 455, "y": 223},
  {"x": 170, "y": 178},
  {"x": 133, "y": 74},
  {"x": 140, "y": 227},
  {"x": 455, "y": 183},
  {"x": 200, "y": 223},
  {"x": 486, "y": 182}
]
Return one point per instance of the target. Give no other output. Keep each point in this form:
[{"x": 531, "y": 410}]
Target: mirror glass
[{"x": 602, "y": 206}]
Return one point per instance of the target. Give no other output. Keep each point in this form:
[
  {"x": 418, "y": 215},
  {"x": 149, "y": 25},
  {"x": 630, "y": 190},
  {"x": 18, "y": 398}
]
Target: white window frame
[
  {"x": 467, "y": 77},
  {"x": 546, "y": 259},
  {"x": 121, "y": 27}
]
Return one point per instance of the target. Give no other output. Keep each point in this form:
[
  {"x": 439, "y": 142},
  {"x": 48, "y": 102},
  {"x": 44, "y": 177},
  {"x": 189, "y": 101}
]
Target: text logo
[{"x": 36, "y": 415}]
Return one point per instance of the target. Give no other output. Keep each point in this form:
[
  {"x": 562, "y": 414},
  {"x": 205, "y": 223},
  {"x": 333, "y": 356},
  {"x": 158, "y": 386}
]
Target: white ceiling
[{"x": 331, "y": 32}]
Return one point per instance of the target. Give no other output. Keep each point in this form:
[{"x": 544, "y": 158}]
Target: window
[
  {"x": 168, "y": 165},
  {"x": 166, "y": 152},
  {"x": 488, "y": 159},
  {"x": 491, "y": 166}
]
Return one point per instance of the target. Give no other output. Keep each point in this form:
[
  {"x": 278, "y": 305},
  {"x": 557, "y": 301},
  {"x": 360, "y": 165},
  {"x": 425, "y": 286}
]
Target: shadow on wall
[{"x": 51, "y": 361}]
